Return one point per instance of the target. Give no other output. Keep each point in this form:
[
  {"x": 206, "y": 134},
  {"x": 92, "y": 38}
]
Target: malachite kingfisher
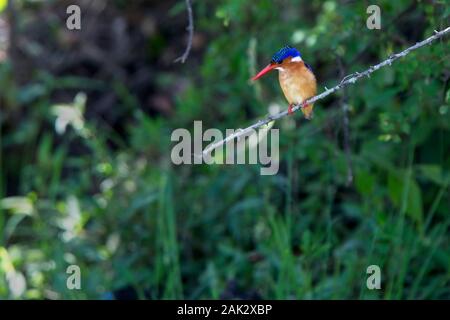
[{"x": 296, "y": 78}]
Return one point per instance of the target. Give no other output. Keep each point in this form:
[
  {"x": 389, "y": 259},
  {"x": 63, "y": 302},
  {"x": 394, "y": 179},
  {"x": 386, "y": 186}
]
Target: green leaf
[
  {"x": 364, "y": 182},
  {"x": 17, "y": 205},
  {"x": 433, "y": 173},
  {"x": 411, "y": 201}
]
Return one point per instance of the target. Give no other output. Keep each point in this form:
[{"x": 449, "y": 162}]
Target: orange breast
[{"x": 297, "y": 82}]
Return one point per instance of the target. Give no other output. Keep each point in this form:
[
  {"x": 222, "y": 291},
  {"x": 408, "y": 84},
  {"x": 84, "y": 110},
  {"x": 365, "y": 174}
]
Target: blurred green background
[{"x": 86, "y": 177}]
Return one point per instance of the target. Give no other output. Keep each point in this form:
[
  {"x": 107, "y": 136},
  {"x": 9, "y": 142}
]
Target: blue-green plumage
[{"x": 283, "y": 53}]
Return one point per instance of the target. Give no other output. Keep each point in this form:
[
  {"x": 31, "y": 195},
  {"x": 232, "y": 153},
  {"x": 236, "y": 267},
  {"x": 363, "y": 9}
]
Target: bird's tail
[{"x": 308, "y": 111}]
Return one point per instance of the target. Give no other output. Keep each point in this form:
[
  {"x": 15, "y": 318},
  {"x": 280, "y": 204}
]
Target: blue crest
[{"x": 285, "y": 52}]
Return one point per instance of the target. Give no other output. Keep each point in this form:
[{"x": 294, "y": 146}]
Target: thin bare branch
[
  {"x": 349, "y": 79},
  {"x": 190, "y": 29}
]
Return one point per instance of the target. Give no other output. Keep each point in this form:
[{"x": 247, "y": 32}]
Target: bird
[{"x": 296, "y": 77}]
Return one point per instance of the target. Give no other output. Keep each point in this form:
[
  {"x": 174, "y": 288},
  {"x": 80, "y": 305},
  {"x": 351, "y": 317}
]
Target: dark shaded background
[{"x": 86, "y": 177}]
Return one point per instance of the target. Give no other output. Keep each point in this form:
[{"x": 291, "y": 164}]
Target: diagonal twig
[
  {"x": 190, "y": 29},
  {"x": 350, "y": 79}
]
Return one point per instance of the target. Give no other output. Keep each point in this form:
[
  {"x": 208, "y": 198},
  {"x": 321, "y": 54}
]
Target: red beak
[{"x": 264, "y": 71}]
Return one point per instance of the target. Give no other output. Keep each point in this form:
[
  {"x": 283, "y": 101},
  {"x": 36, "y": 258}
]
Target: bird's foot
[{"x": 291, "y": 105}]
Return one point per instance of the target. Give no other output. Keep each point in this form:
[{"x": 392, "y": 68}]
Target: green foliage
[
  {"x": 112, "y": 202},
  {"x": 3, "y": 4}
]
